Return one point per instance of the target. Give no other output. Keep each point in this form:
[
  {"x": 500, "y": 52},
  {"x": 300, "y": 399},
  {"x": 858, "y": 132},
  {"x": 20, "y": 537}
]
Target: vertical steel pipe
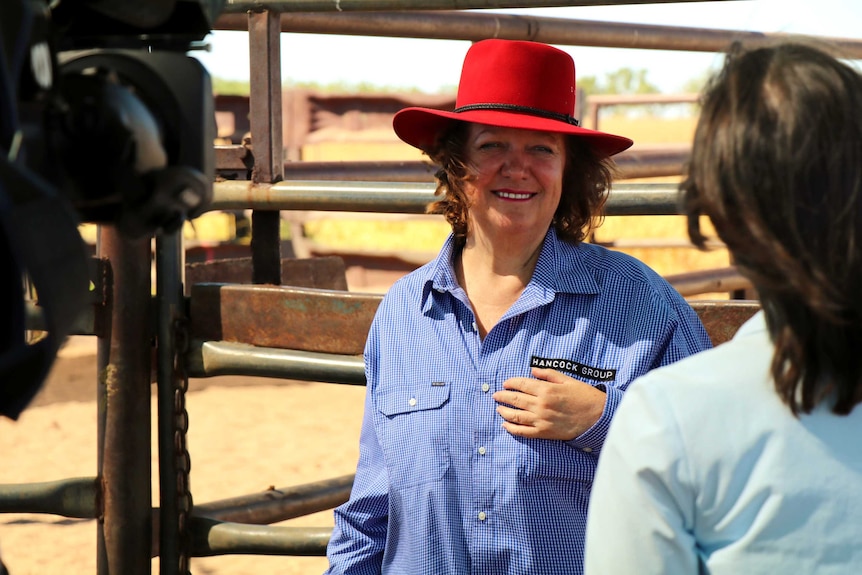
[
  {"x": 266, "y": 139},
  {"x": 169, "y": 298},
  {"x": 124, "y": 537}
]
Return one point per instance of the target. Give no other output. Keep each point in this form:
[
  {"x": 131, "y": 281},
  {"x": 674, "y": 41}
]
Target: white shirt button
[
  {"x": 475, "y": 327},
  {"x": 587, "y": 450},
  {"x": 482, "y": 451},
  {"x": 412, "y": 401},
  {"x": 485, "y": 387},
  {"x": 482, "y": 516}
]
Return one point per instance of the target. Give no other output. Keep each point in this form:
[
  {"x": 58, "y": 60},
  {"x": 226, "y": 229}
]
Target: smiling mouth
[{"x": 514, "y": 195}]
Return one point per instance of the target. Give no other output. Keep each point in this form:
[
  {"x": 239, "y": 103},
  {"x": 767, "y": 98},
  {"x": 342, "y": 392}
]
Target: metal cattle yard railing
[{"x": 216, "y": 329}]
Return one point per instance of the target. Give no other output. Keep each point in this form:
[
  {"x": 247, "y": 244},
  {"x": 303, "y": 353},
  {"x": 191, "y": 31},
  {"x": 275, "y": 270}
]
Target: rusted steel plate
[
  {"x": 233, "y": 158},
  {"x": 722, "y": 318},
  {"x": 307, "y": 319},
  {"x": 325, "y": 272},
  {"x": 336, "y": 321}
]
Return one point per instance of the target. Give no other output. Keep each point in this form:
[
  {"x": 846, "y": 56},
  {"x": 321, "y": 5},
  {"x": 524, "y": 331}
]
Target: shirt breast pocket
[{"x": 413, "y": 431}]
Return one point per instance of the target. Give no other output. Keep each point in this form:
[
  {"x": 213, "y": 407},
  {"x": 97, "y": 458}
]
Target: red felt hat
[{"x": 512, "y": 84}]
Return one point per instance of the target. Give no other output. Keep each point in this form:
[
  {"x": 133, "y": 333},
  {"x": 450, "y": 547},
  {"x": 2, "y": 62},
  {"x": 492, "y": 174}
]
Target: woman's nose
[{"x": 514, "y": 165}]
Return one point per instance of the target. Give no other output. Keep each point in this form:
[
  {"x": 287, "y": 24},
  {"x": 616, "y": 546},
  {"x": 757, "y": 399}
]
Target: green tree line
[{"x": 623, "y": 81}]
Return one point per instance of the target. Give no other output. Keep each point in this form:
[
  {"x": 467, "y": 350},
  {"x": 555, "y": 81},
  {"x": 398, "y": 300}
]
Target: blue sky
[{"x": 430, "y": 65}]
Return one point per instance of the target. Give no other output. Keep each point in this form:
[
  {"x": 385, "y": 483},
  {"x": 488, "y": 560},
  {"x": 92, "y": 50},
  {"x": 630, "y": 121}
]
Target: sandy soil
[{"x": 245, "y": 435}]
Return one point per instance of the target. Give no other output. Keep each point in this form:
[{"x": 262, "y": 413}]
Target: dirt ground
[{"x": 245, "y": 435}]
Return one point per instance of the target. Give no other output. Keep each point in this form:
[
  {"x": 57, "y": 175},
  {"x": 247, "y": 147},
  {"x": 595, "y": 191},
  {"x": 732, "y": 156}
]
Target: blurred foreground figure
[{"x": 747, "y": 458}]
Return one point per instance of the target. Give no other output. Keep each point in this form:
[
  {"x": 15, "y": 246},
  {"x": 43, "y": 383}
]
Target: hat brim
[{"x": 420, "y": 127}]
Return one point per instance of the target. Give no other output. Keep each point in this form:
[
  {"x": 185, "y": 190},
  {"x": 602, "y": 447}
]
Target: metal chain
[{"x": 181, "y": 453}]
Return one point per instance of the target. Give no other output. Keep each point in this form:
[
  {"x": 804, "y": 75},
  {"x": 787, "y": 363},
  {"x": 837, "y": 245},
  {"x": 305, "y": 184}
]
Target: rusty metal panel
[
  {"x": 326, "y": 321},
  {"x": 722, "y": 318},
  {"x": 336, "y": 321},
  {"x": 234, "y": 158},
  {"x": 326, "y": 272}
]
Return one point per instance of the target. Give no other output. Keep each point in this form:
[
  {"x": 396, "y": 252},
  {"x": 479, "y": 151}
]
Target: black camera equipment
[{"x": 104, "y": 118}]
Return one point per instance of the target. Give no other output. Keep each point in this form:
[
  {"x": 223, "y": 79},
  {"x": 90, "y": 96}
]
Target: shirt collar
[{"x": 561, "y": 268}]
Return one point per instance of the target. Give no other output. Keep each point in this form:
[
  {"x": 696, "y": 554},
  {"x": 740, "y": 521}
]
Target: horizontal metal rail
[
  {"x": 211, "y": 358},
  {"x": 472, "y": 26},
  {"x": 363, "y": 5},
  {"x": 596, "y": 102},
  {"x": 724, "y": 280},
  {"x": 280, "y": 504},
  {"x": 76, "y": 497},
  {"x": 642, "y": 162},
  {"x": 405, "y": 197},
  {"x": 211, "y": 537}
]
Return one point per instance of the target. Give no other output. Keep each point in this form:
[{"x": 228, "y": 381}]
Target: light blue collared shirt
[
  {"x": 441, "y": 487},
  {"x": 706, "y": 471}
]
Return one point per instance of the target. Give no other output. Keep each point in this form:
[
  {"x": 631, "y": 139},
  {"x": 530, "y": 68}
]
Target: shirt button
[
  {"x": 412, "y": 401},
  {"x": 482, "y": 516},
  {"x": 587, "y": 450},
  {"x": 475, "y": 327},
  {"x": 485, "y": 387},
  {"x": 482, "y": 451}
]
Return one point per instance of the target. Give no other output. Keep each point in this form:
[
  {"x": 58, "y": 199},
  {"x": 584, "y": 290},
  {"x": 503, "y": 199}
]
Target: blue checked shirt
[{"x": 441, "y": 488}]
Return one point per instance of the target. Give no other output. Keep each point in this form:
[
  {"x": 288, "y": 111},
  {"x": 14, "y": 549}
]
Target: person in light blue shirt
[
  {"x": 494, "y": 370},
  {"x": 747, "y": 459}
]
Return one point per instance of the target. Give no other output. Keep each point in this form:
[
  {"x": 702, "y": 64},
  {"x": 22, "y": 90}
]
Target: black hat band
[{"x": 525, "y": 109}]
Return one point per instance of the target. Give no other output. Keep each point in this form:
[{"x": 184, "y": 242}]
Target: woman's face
[{"x": 518, "y": 179}]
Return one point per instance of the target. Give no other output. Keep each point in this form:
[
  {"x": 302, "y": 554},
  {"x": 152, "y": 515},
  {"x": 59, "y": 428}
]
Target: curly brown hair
[{"x": 587, "y": 180}]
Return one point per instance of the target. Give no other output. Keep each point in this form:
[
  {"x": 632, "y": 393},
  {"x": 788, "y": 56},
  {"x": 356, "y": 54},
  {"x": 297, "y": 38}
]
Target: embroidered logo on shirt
[{"x": 575, "y": 368}]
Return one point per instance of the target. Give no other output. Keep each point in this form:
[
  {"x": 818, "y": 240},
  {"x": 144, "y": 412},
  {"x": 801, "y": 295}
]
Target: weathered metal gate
[{"x": 215, "y": 331}]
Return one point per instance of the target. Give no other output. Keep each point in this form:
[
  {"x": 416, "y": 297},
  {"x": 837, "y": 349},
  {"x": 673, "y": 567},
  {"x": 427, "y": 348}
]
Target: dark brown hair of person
[
  {"x": 586, "y": 182},
  {"x": 777, "y": 166}
]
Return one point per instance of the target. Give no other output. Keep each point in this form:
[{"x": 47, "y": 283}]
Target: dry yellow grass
[{"x": 648, "y": 131}]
